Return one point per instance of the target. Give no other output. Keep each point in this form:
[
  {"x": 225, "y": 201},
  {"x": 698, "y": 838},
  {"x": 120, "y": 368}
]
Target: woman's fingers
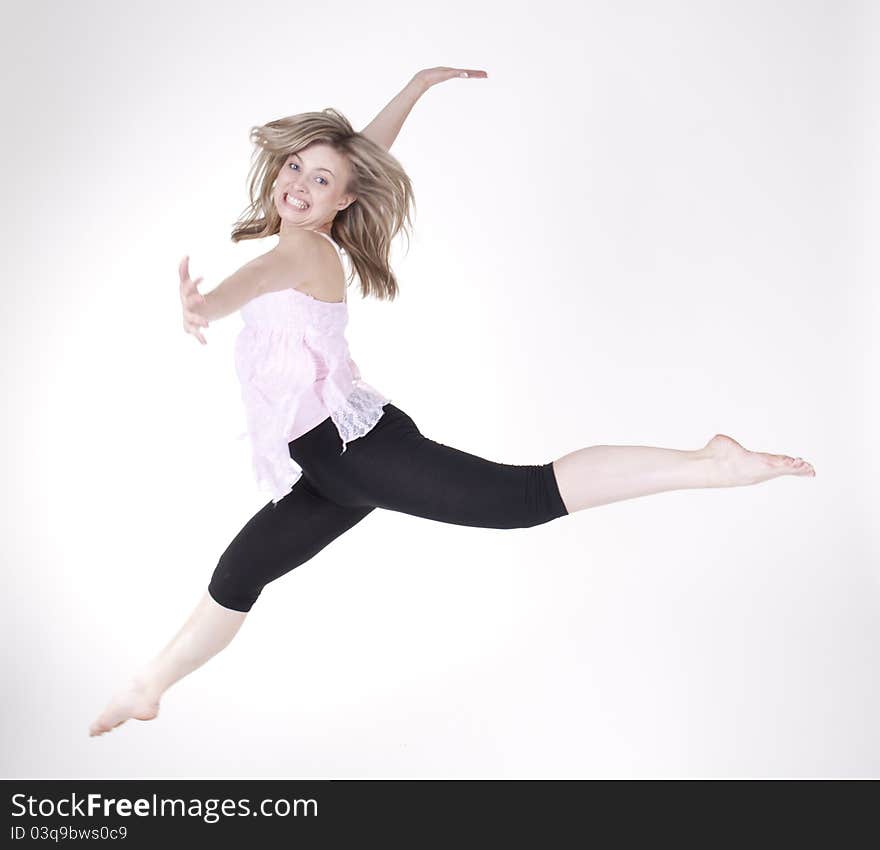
[
  {"x": 183, "y": 271},
  {"x": 189, "y": 298},
  {"x": 188, "y": 289},
  {"x": 471, "y": 72},
  {"x": 193, "y": 329},
  {"x": 432, "y": 76},
  {"x": 195, "y": 319},
  {"x": 188, "y": 286}
]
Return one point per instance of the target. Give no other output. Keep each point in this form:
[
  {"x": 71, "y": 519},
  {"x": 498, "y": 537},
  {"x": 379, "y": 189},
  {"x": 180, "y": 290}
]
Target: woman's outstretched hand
[
  {"x": 431, "y": 76},
  {"x": 190, "y": 300}
]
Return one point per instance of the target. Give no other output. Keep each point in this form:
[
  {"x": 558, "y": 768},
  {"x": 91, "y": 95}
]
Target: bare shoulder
[{"x": 308, "y": 262}]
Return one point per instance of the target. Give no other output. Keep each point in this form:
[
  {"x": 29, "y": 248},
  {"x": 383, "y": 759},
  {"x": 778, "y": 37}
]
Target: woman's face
[{"x": 310, "y": 187}]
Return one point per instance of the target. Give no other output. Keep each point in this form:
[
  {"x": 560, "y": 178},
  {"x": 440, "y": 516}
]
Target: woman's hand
[
  {"x": 191, "y": 299},
  {"x": 431, "y": 76}
]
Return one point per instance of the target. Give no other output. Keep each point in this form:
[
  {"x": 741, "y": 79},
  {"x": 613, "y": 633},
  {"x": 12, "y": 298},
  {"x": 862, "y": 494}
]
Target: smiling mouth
[{"x": 290, "y": 203}]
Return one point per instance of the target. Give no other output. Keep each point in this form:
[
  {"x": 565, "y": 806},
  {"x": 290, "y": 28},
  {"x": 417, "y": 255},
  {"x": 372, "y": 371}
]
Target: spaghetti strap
[
  {"x": 329, "y": 239},
  {"x": 341, "y": 254}
]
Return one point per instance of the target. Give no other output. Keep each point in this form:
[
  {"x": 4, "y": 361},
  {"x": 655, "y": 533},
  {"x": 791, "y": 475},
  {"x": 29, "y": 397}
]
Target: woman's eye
[{"x": 296, "y": 165}]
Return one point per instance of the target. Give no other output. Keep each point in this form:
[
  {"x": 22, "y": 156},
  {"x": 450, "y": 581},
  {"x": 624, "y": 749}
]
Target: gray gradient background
[{"x": 650, "y": 224}]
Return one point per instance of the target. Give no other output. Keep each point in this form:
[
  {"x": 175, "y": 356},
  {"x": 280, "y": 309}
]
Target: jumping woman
[{"x": 329, "y": 448}]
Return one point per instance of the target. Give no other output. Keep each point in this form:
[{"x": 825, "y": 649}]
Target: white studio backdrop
[{"x": 650, "y": 224}]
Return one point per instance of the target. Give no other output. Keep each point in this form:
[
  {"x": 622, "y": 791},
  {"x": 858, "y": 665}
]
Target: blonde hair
[{"x": 365, "y": 227}]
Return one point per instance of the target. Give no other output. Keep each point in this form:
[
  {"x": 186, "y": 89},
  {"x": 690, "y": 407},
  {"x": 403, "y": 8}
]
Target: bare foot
[
  {"x": 737, "y": 466},
  {"x": 134, "y": 701}
]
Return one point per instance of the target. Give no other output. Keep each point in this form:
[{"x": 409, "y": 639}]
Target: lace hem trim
[{"x": 363, "y": 409}]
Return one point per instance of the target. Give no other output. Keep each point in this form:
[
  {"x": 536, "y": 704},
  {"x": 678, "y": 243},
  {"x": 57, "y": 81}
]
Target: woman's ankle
[{"x": 149, "y": 684}]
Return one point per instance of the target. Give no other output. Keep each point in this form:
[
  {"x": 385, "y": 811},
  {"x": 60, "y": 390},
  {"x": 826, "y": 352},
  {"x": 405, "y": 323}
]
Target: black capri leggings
[{"x": 393, "y": 466}]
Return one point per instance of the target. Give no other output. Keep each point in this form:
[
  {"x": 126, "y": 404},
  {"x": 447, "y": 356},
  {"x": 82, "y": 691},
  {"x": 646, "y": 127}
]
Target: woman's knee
[{"x": 230, "y": 586}]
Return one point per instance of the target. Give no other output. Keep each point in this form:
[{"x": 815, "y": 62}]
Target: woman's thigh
[
  {"x": 276, "y": 539},
  {"x": 394, "y": 466}
]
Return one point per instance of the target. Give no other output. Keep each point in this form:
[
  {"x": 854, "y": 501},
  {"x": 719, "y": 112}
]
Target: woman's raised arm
[{"x": 383, "y": 129}]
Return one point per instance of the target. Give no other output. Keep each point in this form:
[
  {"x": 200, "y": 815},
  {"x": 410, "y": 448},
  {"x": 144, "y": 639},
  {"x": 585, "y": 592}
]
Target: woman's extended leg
[
  {"x": 274, "y": 541},
  {"x": 398, "y": 468},
  {"x": 598, "y": 475}
]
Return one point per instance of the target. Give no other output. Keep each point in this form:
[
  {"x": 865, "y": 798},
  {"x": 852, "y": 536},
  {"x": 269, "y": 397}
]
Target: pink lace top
[{"x": 295, "y": 370}]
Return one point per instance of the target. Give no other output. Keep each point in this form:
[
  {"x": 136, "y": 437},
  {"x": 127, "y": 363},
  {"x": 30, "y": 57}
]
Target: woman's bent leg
[{"x": 277, "y": 539}]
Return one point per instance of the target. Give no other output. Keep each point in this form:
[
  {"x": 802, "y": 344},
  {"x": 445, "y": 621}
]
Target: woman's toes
[
  {"x": 774, "y": 460},
  {"x": 800, "y": 467}
]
